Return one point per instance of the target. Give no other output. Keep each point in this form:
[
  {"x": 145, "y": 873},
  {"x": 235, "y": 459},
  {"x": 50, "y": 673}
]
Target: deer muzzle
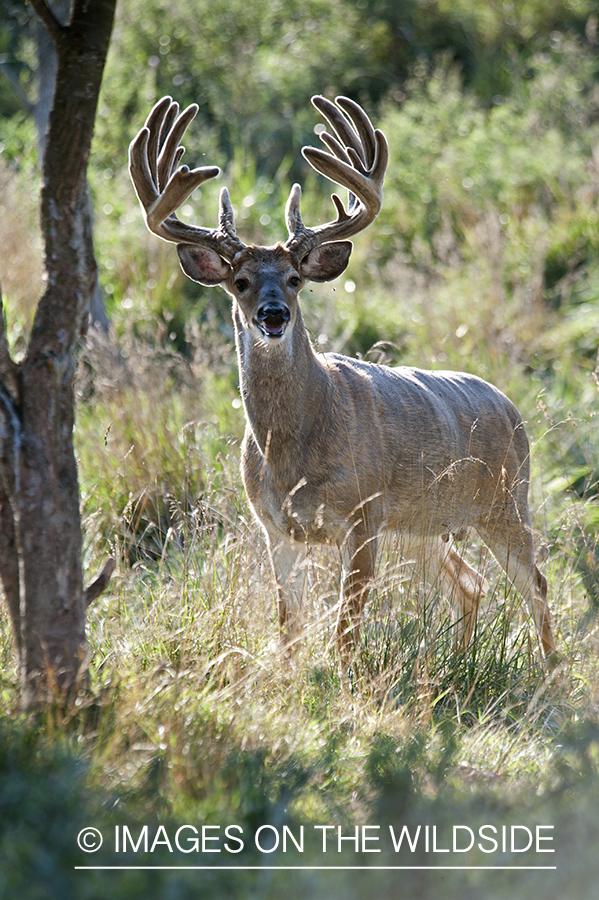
[{"x": 272, "y": 319}]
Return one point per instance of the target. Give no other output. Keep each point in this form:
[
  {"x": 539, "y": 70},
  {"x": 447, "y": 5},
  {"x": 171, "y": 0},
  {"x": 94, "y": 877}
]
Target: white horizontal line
[{"x": 326, "y": 868}]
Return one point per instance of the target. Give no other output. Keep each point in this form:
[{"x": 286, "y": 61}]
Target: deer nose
[{"x": 275, "y": 313}]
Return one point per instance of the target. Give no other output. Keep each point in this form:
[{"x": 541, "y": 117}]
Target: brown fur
[{"x": 337, "y": 450}]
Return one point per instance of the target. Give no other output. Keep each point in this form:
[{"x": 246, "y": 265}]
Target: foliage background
[{"x": 485, "y": 259}]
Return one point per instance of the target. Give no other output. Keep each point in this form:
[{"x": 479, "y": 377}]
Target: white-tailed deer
[{"x": 338, "y": 450}]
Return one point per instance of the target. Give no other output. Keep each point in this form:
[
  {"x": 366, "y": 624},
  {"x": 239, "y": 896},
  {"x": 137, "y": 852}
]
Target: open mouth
[
  {"x": 271, "y": 329},
  {"x": 272, "y": 318}
]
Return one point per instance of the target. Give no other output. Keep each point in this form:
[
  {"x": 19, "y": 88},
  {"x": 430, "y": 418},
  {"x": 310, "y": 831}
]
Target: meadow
[{"x": 484, "y": 259}]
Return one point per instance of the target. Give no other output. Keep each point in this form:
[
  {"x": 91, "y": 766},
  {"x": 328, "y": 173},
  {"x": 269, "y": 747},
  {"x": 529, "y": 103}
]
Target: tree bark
[
  {"x": 39, "y": 493},
  {"x": 46, "y": 75},
  {"x": 46, "y": 79},
  {"x": 40, "y": 109}
]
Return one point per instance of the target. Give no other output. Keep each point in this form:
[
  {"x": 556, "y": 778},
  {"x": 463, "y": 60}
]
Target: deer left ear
[
  {"x": 327, "y": 261},
  {"x": 202, "y": 264}
]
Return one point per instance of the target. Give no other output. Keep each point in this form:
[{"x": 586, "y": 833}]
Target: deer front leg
[
  {"x": 288, "y": 560},
  {"x": 358, "y": 555}
]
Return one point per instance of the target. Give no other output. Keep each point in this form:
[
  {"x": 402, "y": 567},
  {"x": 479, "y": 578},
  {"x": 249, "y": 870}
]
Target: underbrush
[
  {"x": 480, "y": 261},
  {"x": 194, "y": 716}
]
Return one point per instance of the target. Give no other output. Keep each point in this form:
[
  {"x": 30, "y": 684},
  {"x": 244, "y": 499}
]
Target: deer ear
[
  {"x": 202, "y": 264},
  {"x": 327, "y": 261}
]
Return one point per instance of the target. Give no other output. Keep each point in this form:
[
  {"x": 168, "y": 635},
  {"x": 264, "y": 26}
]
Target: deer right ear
[
  {"x": 327, "y": 261},
  {"x": 202, "y": 264}
]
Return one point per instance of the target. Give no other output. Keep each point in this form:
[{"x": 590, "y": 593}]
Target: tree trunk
[
  {"x": 45, "y": 77},
  {"x": 46, "y": 74},
  {"x": 39, "y": 494}
]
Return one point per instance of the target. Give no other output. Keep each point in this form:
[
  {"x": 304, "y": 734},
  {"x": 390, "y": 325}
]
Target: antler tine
[
  {"x": 357, "y": 161},
  {"x": 363, "y": 126},
  {"x": 154, "y": 155},
  {"x": 367, "y": 187},
  {"x": 154, "y": 125},
  {"x": 167, "y": 124},
  {"x": 346, "y": 134},
  {"x": 336, "y": 147},
  {"x": 170, "y": 152}
]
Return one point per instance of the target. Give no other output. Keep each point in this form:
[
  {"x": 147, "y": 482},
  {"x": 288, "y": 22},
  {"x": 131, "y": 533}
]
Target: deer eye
[
  {"x": 294, "y": 281},
  {"x": 241, "y": 284}
]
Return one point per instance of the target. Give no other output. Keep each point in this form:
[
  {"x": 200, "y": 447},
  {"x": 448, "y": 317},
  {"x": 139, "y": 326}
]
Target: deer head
[{"x": 264, "y": 281}]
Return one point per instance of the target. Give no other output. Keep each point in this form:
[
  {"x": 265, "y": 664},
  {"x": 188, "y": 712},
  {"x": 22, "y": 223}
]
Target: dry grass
[
  {"x": 21, "y": 257},
  {"x": 193, "y": 710},
  {"x": 192, "y": 608}
]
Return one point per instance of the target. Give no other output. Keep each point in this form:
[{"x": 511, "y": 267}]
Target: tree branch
[
  {"x": 8, "y": 368},
  {"x": 55, "y": 29},
  {"x": 17, "y": 87},
  {"x": 10, "y": 443},
  {"x": 94, "y": 590},
  {"x": 10, "y": 438},
  {"x": 9, "y": 564}
]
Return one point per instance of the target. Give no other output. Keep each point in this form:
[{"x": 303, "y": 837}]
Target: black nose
[{"x": 273, "y": 313}]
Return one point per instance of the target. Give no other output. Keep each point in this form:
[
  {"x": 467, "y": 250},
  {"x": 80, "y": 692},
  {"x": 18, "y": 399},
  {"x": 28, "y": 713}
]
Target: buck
[{"x": 339, "y": 450}]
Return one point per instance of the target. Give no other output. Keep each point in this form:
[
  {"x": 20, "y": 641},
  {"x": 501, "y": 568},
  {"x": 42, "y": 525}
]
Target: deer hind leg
[
  {"x": 358, "y": 555},
  {"x": 514, "y": 551},
  {"x": 288, "y": 560},
  {"x": 464, "y": 587},
  {"x": 439, "y": 563}
]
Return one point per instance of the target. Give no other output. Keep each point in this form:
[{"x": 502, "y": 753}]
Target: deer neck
[{"x": 285, "y": 389}]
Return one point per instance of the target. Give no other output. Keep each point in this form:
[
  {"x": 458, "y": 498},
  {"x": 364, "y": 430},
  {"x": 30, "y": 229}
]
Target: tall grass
[{"x": 193, "y": 714}]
